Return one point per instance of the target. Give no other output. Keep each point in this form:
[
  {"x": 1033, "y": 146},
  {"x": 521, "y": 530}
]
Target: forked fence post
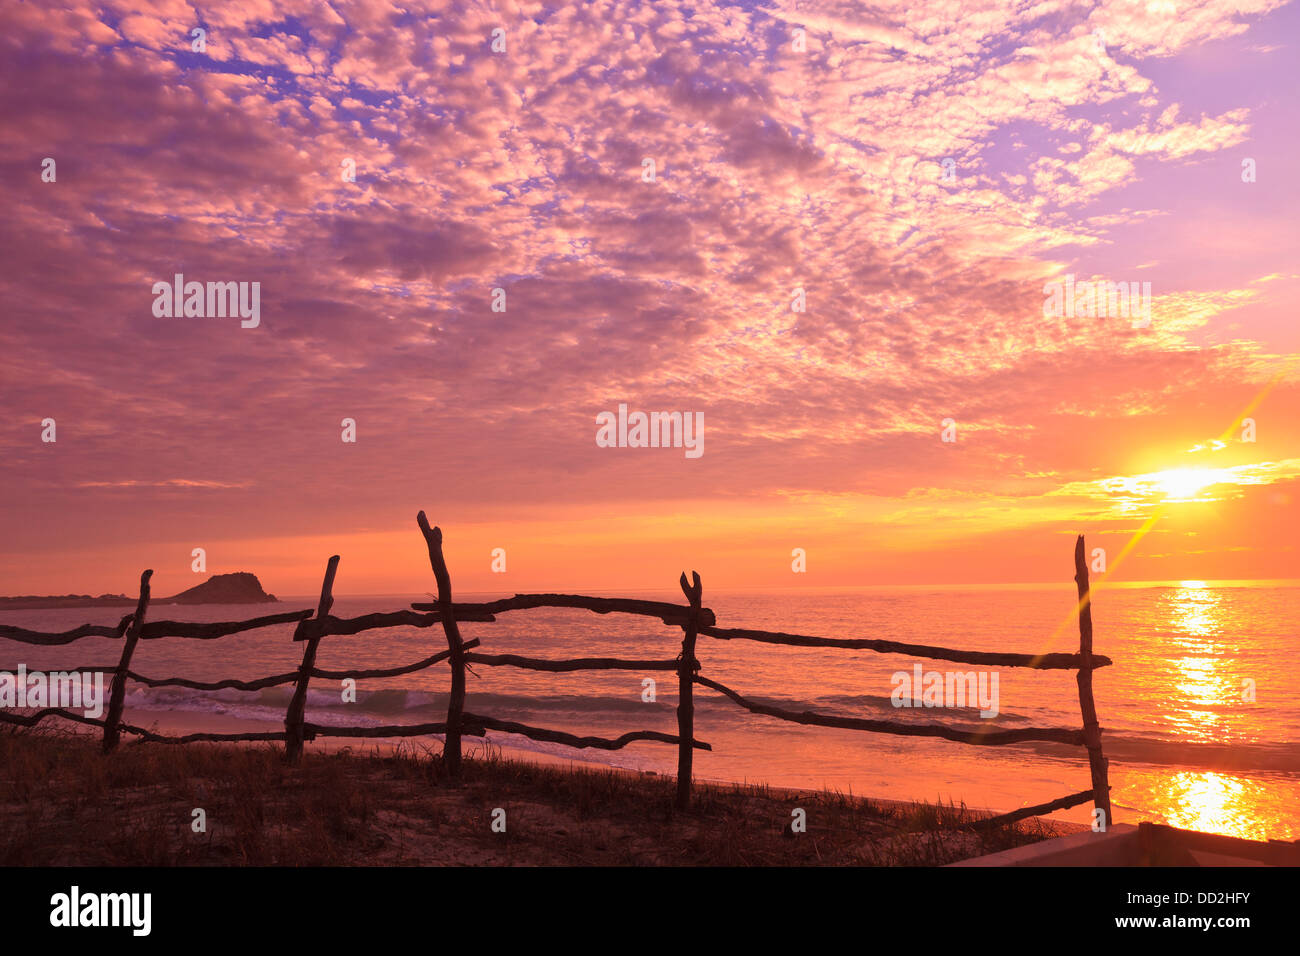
[
  {"x": 686, "y": 671},
  {"x": 1091, "y": 728},
  {"x": 456, "y": 702},
  {"x": 117, "y": 693},
  {"x": 310, "y": 629}
]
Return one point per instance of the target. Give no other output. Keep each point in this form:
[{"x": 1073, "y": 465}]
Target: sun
[{"x": 1180, "y": 484}]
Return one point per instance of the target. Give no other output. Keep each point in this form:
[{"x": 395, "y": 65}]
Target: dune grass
[{"x": 62, "y": 802}]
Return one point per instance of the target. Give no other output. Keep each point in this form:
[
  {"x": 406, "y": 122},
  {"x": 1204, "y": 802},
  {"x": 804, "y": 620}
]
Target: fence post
[
  {"x": 295, "y": 718},
  {"x": 685, "y": 692},
  {"x": 117, "y": 693},
  {"x": 456, "y": 702},
  {"x": 1091, "y": 729}
]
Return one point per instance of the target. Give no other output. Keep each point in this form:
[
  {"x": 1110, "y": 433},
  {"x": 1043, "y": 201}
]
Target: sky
[{"x": 842, "y": 262}]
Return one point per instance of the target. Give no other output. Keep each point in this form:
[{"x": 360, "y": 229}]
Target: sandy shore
[
  {"x": 65, "y": 803},
  {"x": 389, "y": 802}
]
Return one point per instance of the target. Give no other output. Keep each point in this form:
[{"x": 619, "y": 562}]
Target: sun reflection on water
[
  {"x": 1200, "y": 653},
  {"x": 1203, "y": 688},
  {"x": 1194, "y": 610},
  {"x": 1215, "y": 803}
]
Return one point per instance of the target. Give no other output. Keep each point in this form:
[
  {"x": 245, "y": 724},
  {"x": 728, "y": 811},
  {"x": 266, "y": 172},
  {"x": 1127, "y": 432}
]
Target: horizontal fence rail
[
  {"x": 988, "y": 658},
  {"x": 576, "y": 664},
  {"x": 66, "y": 637},
  {"x": 991, "y": 737},
  {"x": 695, "y": 620},
  {"x": 668, "y": 613}
]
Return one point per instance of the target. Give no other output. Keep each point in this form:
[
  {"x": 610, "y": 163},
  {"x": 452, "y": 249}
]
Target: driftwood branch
[
  {"x": 1097, "y": 766},
  {"x": 1058, "y": 735},
  {"x": 154, "y": 630},
  {"x": 560, "y": 737},
  {"x": 668, "y": 613},
  {"x": 391, "y": 730},
  {"x": 276, "y": 679},
  {"x": 328, "y": 625},
  {"x": 1063, "y": 803},
  {"x": 687, "y": 666},
  {"x": 158, "y": 738},
  {"x": 208, "y": 632},
  {"x": 31, "y": 720},
  {"x": 294, "y": 718},
  {"x": 117, "y": 692},
  {"x": 574, "y": 664},
  {"x": 230, "y": 684},
  {"x": 64, "y": 637},
  {"x": 456, "y": 699},
  {"x": 987, "y": 658},
  {"x": 388, "y": 671},
  {"x": 459, "y": 611}
]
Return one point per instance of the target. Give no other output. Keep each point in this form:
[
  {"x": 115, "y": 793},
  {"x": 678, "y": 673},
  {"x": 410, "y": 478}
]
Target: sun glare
[{"x": 1183, "y": 483}]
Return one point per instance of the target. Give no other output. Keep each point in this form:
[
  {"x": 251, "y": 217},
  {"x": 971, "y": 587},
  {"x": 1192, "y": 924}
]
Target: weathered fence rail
[{"x": 695, "y": 620}]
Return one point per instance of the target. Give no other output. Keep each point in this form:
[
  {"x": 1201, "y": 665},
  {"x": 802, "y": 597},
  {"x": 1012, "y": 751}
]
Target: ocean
[{"x": 1200, "y": 712}]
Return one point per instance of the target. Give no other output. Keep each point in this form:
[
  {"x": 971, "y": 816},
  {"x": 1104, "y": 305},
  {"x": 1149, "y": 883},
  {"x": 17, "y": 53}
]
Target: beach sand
[{"x": 374, "y": 802}]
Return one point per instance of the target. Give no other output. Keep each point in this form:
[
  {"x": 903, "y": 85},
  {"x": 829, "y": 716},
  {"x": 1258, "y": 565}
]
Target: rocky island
[{"x": 239, "y": 587}]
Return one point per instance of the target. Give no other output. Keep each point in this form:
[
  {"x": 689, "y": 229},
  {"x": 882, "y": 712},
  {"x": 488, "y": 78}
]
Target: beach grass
[{"x": 62, "y": 802}]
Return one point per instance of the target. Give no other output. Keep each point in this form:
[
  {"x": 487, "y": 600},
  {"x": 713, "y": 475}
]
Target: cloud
[{"x": 777, "y": 170}]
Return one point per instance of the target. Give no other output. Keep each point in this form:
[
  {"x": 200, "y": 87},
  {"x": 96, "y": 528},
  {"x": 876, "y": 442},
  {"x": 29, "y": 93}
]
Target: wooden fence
[{"x": 693, "y": 618}]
